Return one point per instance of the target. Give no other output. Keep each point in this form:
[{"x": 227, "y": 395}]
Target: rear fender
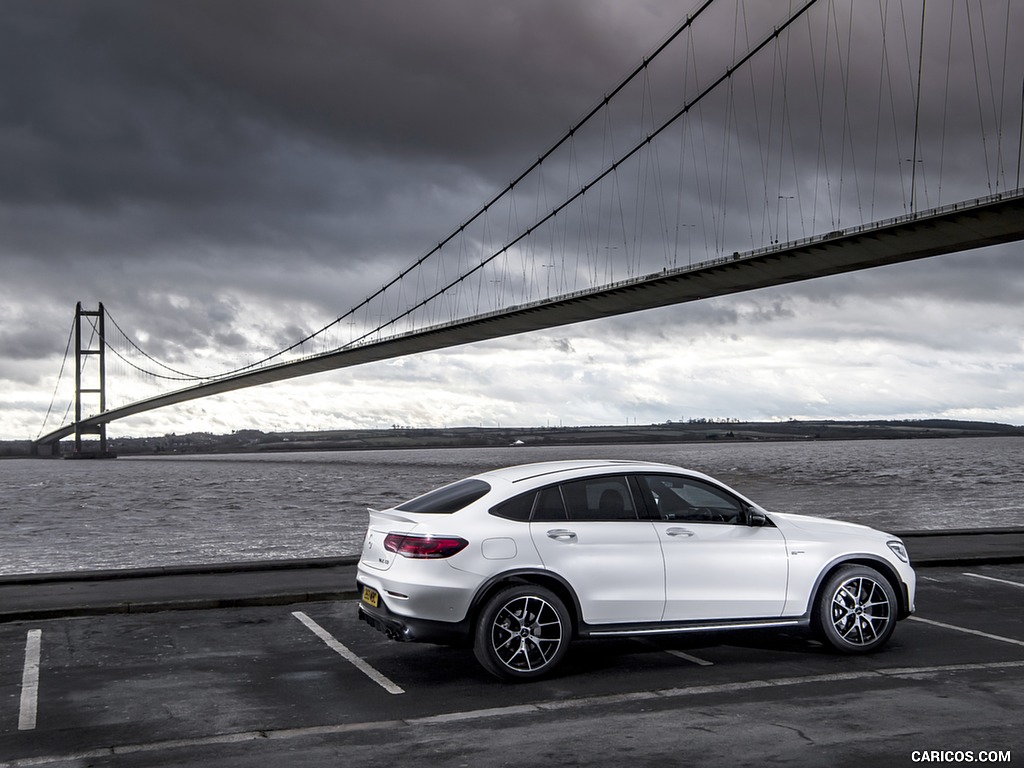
[{"x": 552, "y": 581}]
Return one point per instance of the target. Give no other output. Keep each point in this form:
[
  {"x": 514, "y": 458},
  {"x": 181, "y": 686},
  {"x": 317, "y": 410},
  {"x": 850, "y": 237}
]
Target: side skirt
[{"x": 620, "y": 630}]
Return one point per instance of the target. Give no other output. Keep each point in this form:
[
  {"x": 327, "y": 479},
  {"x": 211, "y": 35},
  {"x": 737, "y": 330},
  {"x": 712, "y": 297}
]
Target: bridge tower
[{"x": 90, "y": 380}]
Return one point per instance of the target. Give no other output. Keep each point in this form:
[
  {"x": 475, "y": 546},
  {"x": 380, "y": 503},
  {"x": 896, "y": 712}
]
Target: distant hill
[{"x": 696, "y": 430}]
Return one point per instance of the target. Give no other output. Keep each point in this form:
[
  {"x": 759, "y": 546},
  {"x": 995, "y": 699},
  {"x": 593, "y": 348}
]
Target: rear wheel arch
[
  {"x": 523, "y": 632},
  {"x": 541, "y": 578}
]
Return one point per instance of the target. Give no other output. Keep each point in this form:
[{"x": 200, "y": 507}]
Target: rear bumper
[{"x": 411, "y": 630}]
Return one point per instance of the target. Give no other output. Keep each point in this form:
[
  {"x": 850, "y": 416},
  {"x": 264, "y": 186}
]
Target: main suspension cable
[
  {"x": 181, "y": 375},
  {"x": 53, "y": 397},
  {"x": 568, "y": 136},
  {"x": 727, "y": 75}
]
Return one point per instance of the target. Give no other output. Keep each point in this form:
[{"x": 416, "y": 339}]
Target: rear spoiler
[{"x": 389, "y": 515}]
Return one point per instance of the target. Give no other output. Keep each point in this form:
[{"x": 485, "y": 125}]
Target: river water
[{"x": 147, "y": 511}]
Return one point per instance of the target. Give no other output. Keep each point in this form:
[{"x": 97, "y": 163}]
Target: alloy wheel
[
  {"x": 860, "y": 611},
  {"x": 526, "y": 633}
]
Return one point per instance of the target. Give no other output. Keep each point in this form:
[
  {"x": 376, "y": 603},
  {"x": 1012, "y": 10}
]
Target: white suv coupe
[{"x": 519, "y": 561}]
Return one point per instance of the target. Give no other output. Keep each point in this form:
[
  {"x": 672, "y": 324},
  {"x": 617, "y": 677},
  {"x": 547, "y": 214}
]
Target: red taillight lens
[{"x": 432, "y": 547}]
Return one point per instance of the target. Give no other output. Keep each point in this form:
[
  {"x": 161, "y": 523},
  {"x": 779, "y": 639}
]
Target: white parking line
[
  {"x": 389, "y": 727},
  {"x": 30, "y": 681},
  {"x": 677, "y": 654},
  {"x": 688, "y": 657},
  {"x": 346, "y": 654},
  {"x": 992, "y": 578},
  {"x": 968, "y": 631}
]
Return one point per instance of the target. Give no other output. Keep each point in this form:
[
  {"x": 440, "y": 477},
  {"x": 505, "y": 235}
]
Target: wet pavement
[{"x": 278, "y": 668}]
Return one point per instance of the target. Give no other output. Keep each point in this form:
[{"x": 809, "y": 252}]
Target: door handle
[
  {"x": 560, "y": 534},
  {"x": 679, "y": 532}
]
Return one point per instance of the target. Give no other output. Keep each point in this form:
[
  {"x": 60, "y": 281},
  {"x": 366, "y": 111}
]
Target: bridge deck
[{"x": 961, "y": 227}]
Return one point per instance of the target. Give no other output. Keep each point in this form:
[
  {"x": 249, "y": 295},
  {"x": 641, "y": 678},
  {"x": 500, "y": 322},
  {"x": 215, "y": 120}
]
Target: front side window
[{"x": 673, "y": 497}]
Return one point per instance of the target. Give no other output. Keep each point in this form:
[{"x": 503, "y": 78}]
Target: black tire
[
  {"x": 856, "y": 610},
  {"x": 522, "y": 633}
]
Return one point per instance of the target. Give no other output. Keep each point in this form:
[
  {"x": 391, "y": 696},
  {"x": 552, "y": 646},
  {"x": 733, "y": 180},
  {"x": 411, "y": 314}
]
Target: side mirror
[{"x": 755, "y": 519}]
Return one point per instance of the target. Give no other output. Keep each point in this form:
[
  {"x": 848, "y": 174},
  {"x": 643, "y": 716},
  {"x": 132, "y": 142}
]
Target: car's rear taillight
[{"x": 431, "y": 547}]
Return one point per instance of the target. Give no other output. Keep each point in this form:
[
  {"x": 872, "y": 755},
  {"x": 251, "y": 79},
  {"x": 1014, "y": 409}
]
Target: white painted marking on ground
[
  {"x": 336, "y": 646},
  {"x": 968, "y": 631},
  {"x": 693, "y": 659},
  {"x": 993, "y": 578},
  {"x": 677, "y": 654},
  {"x": 30, "y": 681},
  {"x": 389, "y": 726}
]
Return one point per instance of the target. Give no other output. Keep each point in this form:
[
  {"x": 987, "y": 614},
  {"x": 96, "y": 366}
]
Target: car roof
[{"x": 569, "y": 469}]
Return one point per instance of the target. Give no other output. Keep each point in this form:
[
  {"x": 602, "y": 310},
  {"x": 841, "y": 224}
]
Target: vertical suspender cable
[
  {"x": 1020, "y": 135},
  {"x": 977, "y": 88},
  {"x": 917, "y": 113},
  {"x": 695, "y": 102},
  {"x": 1002, "y": 94}
]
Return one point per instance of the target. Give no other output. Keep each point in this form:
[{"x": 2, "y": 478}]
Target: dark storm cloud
[
  {"x": 177, "y": 159},
  {"x": 186, "y": 103},
  {"x": 26, "y": 345},
  {"x": 228, "y": 176},
  {"x": 401, "y": 78},
  {"x": 172, "y": 147}
]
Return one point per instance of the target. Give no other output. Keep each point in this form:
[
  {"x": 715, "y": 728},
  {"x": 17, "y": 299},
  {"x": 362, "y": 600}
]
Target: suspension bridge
[{"x": 759, "y": 144}]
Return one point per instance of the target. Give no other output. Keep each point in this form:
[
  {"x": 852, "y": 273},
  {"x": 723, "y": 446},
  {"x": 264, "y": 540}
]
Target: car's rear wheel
[
  {"x": 522, "y": 633},
  {"x": 856, "y": 611}
]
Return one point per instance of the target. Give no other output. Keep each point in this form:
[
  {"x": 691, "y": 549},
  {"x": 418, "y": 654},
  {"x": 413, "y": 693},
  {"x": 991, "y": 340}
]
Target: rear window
[{"x": 449, "y": 499}]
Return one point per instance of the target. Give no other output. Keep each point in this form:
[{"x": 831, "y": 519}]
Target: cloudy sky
[{"x": 228, "y": 176}]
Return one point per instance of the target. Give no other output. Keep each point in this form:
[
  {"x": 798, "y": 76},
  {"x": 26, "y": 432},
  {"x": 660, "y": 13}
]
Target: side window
[
  {"x": 517, "y": 508},
  {"x": 673, "y": 497},
  {"x": 599, "y": 498}
]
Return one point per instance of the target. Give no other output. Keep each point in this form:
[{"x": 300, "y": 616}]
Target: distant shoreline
[{"x": 397, "y": 437}]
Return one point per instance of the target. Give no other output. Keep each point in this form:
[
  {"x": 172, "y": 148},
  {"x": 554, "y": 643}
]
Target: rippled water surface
[{"x": 133, "y": 512}]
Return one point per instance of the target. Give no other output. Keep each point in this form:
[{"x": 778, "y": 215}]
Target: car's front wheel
[
  {"x": 522, "y": 633},
  {"x": 856, "y": 611}
]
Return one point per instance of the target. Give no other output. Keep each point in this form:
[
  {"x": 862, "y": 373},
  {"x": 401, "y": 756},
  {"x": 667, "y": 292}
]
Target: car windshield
[{"x": 449, "y": 499}]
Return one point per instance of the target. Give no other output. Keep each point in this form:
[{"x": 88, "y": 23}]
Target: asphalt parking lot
[{"x": 308, "y": 684}]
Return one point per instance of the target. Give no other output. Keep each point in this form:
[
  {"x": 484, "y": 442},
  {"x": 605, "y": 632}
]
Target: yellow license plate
[{"x": 370, "y": 596}]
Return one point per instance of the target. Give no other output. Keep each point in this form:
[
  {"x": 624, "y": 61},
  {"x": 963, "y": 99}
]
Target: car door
[
  {"x": 716, "y": 566},
  {"x": 588, "y": 531}
]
